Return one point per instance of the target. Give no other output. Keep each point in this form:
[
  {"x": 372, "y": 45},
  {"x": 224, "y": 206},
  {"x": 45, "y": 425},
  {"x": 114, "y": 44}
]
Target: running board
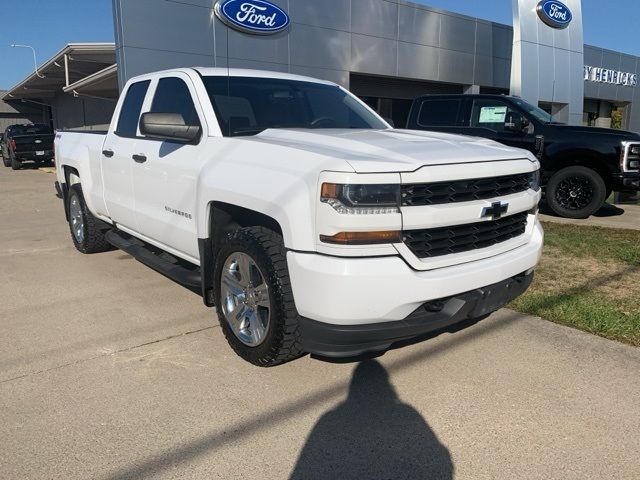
[{"x": 176, "y": 269}]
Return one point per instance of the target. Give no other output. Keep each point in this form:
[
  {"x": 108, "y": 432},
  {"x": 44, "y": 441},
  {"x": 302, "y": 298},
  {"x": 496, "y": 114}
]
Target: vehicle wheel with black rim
[
  {"x": 254, "y": 300},
  {"x": 86, "y": 233},
  {"x": 15, "y": 163},
  {"x": 576, "y": 192}
]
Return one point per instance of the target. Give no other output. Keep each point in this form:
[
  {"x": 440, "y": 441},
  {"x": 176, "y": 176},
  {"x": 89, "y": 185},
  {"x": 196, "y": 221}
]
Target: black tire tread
[
  {"x": 600, "y": 192},
  {"x": 285, "y": 344},
  {"x": 14, "y": 162},
  {"x": 94, "y": 236}
]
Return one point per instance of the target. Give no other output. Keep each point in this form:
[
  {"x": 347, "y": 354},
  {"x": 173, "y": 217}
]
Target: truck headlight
[
  {"x": 534, "y": 180},
  {"x": 364, "y": 199}
]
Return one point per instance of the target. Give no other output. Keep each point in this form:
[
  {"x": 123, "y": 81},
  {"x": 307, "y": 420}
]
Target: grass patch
[{"x": 588, "y": 278}]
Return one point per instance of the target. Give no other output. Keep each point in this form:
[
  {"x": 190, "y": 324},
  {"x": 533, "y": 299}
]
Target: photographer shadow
[{"x": 372, "y": 435}]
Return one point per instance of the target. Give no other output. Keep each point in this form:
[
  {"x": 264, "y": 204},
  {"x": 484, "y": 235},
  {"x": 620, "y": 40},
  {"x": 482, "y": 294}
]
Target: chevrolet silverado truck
[
  {"x": 581, "y": 166},
  {"x": 27, "y": 143},
  {"x": 308, "y": 222}
]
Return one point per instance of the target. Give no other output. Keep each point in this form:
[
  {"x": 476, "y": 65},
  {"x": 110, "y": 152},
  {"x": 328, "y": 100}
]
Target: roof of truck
[{"x": 243, "y": 72}]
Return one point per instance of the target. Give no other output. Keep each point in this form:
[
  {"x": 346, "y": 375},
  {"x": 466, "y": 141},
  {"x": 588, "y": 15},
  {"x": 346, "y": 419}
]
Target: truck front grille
[
  {"x": 422, "y": 194},
  {"x": 435, "y": 242}
]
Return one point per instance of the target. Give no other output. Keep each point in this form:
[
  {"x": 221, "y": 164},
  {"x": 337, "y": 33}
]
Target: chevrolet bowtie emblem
[{"x": 495, "y": 211}]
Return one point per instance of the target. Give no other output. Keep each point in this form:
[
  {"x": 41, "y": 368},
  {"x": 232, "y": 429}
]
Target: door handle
[
  {"x": 140, "y": 158},
  {"x": 107, "y": 153}
]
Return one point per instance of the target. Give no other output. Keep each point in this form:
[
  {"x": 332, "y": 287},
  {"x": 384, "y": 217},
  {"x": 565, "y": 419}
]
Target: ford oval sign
[
  {"x": 555, "y": 14},
  {"x": 252, "y": 16}
]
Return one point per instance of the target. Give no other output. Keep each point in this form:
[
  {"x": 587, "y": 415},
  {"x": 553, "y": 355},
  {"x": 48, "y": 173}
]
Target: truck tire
[
  {"x": 15, "y": 163},
  {"x": 5, "y": 160},
  {"x": 576, "y": 192},
  {"x": 85, "y": 229},
  {"x": 253, "y": 297}
]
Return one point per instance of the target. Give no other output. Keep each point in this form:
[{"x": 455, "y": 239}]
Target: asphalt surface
[
  {"x": 609, "y": 216},
  {"x": 110, "y": 371}
]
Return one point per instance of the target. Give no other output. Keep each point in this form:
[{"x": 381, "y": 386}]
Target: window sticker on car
[{"x": 492, "y": 114}]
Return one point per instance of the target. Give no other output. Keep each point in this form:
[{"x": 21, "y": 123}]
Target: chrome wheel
[
  {"x": 76, "y": 218},
  {"x": 244, "y": 296}
]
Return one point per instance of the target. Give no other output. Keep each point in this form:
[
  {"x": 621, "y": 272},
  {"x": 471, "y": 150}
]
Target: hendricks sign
[{"x": 606, "y": 75}]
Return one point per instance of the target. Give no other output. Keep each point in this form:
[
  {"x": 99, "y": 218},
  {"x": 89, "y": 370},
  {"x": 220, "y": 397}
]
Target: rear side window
[
  {"x": 438, "y": 113},
  {"x": 173, "y": 96},
  {"x": 131, "y": 107}
]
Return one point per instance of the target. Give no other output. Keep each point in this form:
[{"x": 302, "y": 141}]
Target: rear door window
[
  {"x": 131, "y": 108},
  {"x": 439, "y": 113}
]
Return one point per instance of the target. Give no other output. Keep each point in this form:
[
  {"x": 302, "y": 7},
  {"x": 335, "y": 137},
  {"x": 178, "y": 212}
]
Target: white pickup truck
[{"x": 309, "y": 222}]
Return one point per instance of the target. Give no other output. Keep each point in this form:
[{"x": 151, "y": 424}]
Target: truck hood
[
  {"x": 618, "y": 134},
  {"x": 381, "y": 151}
]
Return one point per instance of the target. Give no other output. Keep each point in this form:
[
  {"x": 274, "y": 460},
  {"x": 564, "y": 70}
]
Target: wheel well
[
  {"x": 226, "y": 217},
  {"x": 594, "y": 164},
  {"x": 71, "y": 175}
]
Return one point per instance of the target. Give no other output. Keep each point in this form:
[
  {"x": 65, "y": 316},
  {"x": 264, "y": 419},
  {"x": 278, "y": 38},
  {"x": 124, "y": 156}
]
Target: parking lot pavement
[
  {"x": 610, "y": 216},
  {"x": 110, "y": 371}
]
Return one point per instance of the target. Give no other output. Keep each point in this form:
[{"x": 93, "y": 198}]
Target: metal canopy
[
  {"x": 73, "y": 63},
  {"x": 102, "y": 84}
]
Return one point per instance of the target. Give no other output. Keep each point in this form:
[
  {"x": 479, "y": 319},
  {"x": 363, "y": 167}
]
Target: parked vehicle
[
  {"x": 581, "y": 166},
  {"x": 309, "y": 222},
  {"x": 27, "y": 143}
]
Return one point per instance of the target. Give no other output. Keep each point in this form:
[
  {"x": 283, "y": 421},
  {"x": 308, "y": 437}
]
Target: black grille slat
[
  {"x": 435, "y": 242},
  {"x": 421, "y": 194}
]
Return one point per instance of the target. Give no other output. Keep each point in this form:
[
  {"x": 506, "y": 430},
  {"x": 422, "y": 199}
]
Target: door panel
[
  {"x": 166, "y": 182},
  {"x": 117, "y": 164}
]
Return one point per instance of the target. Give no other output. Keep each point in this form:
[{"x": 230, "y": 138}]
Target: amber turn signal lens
[
  {"x": 329, "y": 190},
  {"x": 362, "y": 238}
]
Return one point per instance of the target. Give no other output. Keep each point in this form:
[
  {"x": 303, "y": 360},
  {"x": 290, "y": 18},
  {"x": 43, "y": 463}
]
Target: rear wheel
[
  {"x": 5, "y": 160},
  {"x": 15, "y": 163},
  {"x": 576, "y": 192},
  {"x": 254, "y": 300},
  {"x": 85, "y": 228}
]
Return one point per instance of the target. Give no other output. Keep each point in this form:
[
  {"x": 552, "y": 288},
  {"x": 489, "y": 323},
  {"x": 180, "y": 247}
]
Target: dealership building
[{"x": 387, "y": 52}]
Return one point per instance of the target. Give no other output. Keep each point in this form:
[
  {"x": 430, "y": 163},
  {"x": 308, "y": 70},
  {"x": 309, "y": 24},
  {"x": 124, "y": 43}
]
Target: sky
[{"x": 48, "y": 25}]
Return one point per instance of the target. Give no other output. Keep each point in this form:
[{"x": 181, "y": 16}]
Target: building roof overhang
[{"x": 75, "y": 62}]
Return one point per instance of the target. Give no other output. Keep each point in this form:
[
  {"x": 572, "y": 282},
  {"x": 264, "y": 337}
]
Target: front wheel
[
  {"x": 576, "y": 192},
  {"x": 254, "y": 300},
  {"x": 85, "y": 229},
  {"x": 5, "y": 160}
]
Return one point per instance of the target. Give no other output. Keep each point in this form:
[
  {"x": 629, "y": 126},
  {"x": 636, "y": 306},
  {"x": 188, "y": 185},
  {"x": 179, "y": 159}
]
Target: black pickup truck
[
  {"x": 27, "y": 143},
  {"x": 581, "y": 166}
]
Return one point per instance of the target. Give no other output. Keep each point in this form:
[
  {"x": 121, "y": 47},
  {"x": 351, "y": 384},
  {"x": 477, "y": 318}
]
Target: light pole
[{"x": 35, "y": 63}]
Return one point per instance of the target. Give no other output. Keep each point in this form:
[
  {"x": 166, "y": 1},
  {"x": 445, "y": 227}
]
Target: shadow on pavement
[
  {"x": 372, "y": 434},
  {"x": 210, "y": 443},
  {"x": 607, "y": 210}
]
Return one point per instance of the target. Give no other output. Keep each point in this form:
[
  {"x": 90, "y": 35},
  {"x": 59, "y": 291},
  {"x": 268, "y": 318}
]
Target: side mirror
[
  {"x": 515, "y": 122},
  {"x": 168, "y": 126}
]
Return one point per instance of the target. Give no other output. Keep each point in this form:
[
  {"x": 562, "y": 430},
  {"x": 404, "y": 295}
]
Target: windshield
[
  {"x": 536, "y": 112},
  {"x": 249, "y": 105},
  {"x": 29, "y": 130}
]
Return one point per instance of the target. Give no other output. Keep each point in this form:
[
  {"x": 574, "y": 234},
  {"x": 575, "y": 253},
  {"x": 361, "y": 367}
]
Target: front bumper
[
  {"x": 356, "y": 291},
  {"x": 626, "y": 181},
  {"x": 340, "y": 341}
]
